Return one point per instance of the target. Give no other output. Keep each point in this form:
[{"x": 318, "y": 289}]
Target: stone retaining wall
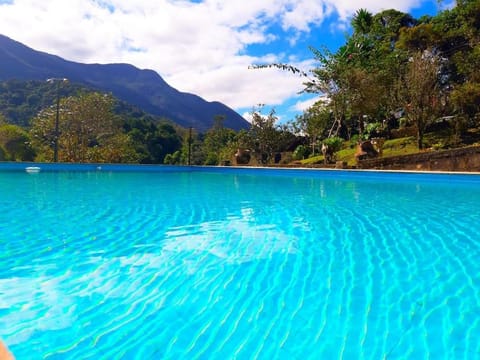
[{"x": 464, "y": 159}]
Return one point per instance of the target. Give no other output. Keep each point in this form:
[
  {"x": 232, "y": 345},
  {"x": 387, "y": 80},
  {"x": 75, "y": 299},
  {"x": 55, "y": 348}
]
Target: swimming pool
[{"x": 222, "y": 263}]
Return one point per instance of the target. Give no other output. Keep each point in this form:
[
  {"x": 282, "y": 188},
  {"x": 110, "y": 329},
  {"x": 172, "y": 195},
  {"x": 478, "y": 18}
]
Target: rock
[
  {"x": 242, "y": 156},
  {"x": 365, "y": 150}
]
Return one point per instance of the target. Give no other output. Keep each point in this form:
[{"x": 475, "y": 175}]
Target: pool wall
[{"x": 398, "y": 175}]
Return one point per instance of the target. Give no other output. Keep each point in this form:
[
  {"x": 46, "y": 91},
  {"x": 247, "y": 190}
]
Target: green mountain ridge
[
  {"x": 142, "y": 88},
  {"x": 21, "y": 101}
]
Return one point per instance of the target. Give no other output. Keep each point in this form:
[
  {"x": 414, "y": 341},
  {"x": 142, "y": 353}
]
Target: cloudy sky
[{"x": 200, "y": 46}]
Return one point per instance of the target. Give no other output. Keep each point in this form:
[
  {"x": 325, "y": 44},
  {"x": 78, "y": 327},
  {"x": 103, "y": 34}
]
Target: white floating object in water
[{"x": 32, "y": 169}]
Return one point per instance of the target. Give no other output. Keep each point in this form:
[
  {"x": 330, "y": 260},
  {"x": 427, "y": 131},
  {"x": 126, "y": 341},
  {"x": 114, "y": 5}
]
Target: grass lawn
[
  {"x": 443, "y": 138},
  {"x": 402, "y": 146}
]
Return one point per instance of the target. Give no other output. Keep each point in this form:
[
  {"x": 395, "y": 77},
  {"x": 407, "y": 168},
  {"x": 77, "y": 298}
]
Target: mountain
[{"x": 142, "y": 88}]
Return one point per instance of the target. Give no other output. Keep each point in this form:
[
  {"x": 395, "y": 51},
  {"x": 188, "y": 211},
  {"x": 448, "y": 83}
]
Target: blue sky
[{"x": 203, "y": 47}]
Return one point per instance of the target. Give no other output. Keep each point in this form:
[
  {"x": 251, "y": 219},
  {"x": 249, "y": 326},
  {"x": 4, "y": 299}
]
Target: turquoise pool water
[{"x": 190, "y": 263}]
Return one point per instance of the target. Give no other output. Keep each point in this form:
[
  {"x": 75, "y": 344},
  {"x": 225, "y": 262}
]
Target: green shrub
[
  {"x": 301, "y": 152},
  {"x": 335, "y": 143},
  {"x": 354, "y": 140},
  {"x": 212, "y": 159},
  {"x": 373, "y": 130}
]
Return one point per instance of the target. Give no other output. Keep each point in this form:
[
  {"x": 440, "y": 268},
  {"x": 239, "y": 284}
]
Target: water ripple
[{"x": 136, "y": 266}]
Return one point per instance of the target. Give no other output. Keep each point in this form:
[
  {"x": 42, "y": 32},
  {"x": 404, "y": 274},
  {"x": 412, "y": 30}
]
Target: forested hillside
[
  {"x": 117, "y": 131},
  {"x": 21, "y": 101}
]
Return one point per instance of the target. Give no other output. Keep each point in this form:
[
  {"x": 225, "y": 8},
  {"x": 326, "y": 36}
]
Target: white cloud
[
  {"x": 303, "y": 13},
  {"x": 200, "y": 47},
  {"x": 303, "y": 105}
]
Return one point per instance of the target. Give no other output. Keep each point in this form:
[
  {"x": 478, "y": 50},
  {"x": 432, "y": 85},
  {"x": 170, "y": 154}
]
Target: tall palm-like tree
[{"x": 362, "y": 21}]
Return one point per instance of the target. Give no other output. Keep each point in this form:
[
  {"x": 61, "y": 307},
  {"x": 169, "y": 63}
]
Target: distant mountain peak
[{"x": 145, "y": 89}]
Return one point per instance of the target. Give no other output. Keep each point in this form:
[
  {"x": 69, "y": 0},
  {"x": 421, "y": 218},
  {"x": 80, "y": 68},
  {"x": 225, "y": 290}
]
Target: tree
[
  {"x": 365, "y": 92},
  {"x": 458, "y": 40},
  {"x": 217, "y": 140},
  {"x": 15, "y": 143},
  {"x": 159, "y": 140},
  {"x": 374, "y": 63},
  {"x": 191, "y": 152},
  {"x": 354, "y": 88},
  {"x": 422, "y": 91},
  {"x": 466, "y": 102},
  {"x": 173, "y": 159},
  {"x": 362, "y": 21},
  {"x": 118, "y": 149},
  {"x": 313, "y": 123},
  {"x": 386, "y": 26},
  {"x": 88, "y": 129},
  {"x": 420, "y": 37},
  {"x": 152, "y": 140},
  {"x": 361, "y": 78},
  {"x": 263, "y": 137},
  {"x": 329, "y": 81}
]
